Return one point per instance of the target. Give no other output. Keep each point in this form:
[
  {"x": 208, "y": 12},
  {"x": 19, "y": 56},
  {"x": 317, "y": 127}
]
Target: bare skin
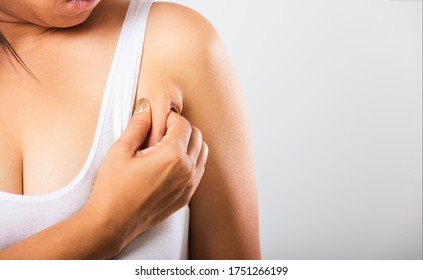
[{"x": 184, "y": 65}]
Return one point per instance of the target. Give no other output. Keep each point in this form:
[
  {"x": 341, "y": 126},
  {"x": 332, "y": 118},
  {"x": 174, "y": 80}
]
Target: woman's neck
[{"x": 18, "y": 32}]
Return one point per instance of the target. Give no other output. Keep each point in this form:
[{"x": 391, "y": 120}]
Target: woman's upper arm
[{"x": 224, "y": 214}]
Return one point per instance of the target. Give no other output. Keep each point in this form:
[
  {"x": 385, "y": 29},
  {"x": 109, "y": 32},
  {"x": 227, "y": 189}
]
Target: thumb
[{"x": 138, "y": 127}]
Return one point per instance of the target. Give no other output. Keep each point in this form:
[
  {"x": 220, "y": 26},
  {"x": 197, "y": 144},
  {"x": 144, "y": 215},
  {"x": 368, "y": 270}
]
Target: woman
[{"x": 73, "y": 97}]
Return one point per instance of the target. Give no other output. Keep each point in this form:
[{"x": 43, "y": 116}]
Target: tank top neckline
[{"x": 97, "y": 134}]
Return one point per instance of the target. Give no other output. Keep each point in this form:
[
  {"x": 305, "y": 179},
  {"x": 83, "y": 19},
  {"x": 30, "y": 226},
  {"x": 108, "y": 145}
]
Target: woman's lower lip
[{"x": 81, "y": 4}]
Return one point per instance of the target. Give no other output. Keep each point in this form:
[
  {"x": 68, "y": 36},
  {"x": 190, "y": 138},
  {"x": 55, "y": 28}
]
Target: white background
[{"x": 334, "y": 93}]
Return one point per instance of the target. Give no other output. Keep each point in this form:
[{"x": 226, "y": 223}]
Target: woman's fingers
[
  {"x": 138, "y": 127},
  {"x": 189, "y": 139},
  {"x": 180, "y": 135},
  {"x": 202, "y": 157},
  {"x": 195, "y": 143},
  {"x": 178, "y": 131}
]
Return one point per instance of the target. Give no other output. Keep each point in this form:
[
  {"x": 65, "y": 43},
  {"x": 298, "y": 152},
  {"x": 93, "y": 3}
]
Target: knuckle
[
  {"x": 176, "y": 157},
  {"x": 179, "y": 158},
  {"x": 182, "y": 165},
  {"x": 186, "y": 167},
  {"x": 189, "y": 167},
  {"x": 195, "y": 129},
  {"x": 197, "y": 132},
  {"x": 187, "y": 125}
]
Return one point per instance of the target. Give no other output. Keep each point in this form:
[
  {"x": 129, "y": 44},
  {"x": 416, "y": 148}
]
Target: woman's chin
[{"x": 73, "y": 12}]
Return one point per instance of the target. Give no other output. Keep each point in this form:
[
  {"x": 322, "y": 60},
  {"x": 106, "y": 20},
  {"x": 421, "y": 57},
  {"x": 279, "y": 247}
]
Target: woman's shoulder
[
  {"x": 177, "y": 20},
  {"x": 170, "y": 24},
  {"x": 180, "y": 36},
  {"x": 176, "y": 35}
]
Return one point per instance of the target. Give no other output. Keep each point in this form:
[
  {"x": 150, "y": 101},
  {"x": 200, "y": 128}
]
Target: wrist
[{"x": 101, "y": 233}]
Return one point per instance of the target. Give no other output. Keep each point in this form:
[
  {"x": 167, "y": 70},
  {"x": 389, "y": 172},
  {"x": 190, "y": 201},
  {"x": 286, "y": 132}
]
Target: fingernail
[{"x": 141, "y": 106}]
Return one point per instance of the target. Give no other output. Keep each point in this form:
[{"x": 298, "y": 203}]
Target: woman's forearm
[{"x": 82, "y": 236}]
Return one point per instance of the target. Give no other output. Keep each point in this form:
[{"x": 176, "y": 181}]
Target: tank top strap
[
  {"x": 124, "y": 71},
  {"x": 122, "y": 81}
]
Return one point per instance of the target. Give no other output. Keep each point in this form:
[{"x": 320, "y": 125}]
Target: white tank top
[{"x": 22, "y": 216}]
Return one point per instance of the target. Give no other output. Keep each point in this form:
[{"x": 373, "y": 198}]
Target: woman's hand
[{"x": 135, "y": 190}]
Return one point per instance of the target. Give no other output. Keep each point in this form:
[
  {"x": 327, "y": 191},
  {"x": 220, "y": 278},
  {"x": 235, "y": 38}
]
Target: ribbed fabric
[{"x": 23, "y": 216}]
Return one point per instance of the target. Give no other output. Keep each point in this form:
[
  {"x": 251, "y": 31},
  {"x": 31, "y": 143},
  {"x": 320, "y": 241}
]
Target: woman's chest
[
  {"x": 46, "y": 131},
  {"x": 48, "y": 120}
]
